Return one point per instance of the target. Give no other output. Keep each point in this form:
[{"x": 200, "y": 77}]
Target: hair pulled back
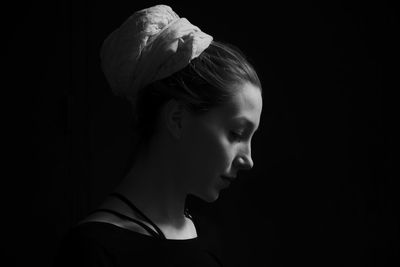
[{"x": 207, "y": 82}]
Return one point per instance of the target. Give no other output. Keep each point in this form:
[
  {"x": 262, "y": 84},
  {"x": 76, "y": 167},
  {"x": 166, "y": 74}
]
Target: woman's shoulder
[
  {"x": 103, "y": 234},
  {"x": 92, "y": 243},
  {"x": 90, "y": 236},
  {"x": 107, "y": 218}
]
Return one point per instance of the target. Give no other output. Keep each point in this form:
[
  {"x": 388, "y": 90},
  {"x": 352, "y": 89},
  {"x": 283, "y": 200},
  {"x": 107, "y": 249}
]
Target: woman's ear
[{"x": 174, "y": 117}]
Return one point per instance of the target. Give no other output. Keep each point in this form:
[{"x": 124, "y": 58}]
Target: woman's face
[{"x": 218, "y": 143}]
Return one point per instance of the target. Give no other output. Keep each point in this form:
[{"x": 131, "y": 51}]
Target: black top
[{"x": 104, "y": 244}]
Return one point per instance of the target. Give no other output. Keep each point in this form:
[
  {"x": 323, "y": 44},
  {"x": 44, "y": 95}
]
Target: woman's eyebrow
[{"x": 247, "y": 122}]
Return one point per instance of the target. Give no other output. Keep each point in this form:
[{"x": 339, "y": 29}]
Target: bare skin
[{"x": 188, "y": 156}]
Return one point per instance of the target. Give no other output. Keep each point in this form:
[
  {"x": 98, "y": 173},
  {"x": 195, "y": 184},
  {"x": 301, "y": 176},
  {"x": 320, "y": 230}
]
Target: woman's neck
[{"x": 155, "y": 187}]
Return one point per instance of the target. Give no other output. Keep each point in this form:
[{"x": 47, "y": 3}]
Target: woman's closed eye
[{"x": 237, "y": 136}]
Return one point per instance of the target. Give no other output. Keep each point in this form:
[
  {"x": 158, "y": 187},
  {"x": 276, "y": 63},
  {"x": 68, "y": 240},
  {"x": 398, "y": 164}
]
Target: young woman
[{"x": 197, "y": 104}]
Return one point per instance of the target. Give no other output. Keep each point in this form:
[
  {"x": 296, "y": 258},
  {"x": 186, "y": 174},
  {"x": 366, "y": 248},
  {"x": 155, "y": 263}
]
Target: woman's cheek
[{"x": 224, "y": 150}]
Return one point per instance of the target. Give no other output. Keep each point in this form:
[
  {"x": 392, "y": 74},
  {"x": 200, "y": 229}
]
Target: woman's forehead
[
  {"x": 246, "y": 103},
  {"x": 244, "y": 106}
]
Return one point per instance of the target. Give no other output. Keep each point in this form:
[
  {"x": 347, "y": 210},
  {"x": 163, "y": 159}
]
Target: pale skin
[{"x": 188, "y": 156}]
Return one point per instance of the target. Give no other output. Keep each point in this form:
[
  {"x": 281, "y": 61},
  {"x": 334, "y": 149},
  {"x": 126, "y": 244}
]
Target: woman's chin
[{"x": 210, "y": 196}]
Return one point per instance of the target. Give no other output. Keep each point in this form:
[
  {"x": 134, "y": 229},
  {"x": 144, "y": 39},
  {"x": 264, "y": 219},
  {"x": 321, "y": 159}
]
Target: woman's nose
[{"x": 245, "y": 162}]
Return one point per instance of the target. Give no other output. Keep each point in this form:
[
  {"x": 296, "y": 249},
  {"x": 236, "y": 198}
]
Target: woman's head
[
  {"x": 161, "y": 62},
  {"x": 222, "y": 94},
  {"x": 207, "y": 82}
]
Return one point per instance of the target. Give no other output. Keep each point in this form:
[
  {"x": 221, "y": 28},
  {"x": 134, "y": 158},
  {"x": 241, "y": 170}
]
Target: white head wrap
[{"x": 150, "y": 45}]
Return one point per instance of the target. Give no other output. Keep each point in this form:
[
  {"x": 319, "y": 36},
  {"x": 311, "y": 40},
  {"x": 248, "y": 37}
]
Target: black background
[{"x": 323, "y": 190}]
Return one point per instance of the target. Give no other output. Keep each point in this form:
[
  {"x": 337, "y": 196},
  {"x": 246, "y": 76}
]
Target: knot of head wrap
[{"x": 150, "y": 45}]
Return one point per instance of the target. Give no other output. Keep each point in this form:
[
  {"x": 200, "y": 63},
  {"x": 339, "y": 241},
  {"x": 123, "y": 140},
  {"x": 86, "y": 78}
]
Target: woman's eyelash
[{"x": 237, "y": 136}]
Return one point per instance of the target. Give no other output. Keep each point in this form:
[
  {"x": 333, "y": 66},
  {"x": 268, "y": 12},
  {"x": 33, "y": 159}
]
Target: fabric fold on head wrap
[{"x": 150, "y": 45}]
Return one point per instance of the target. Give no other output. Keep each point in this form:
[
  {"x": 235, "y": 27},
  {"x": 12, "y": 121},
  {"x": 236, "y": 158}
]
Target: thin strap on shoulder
[
  {"x": 187, "y": 214},
  {"x": 196, "y": 225},
  {"x": 123, "y": 216},
  {"x": 134, "y": 208}
]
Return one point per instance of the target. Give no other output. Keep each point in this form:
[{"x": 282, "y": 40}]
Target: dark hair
[{"x": 205, "y": 83}]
